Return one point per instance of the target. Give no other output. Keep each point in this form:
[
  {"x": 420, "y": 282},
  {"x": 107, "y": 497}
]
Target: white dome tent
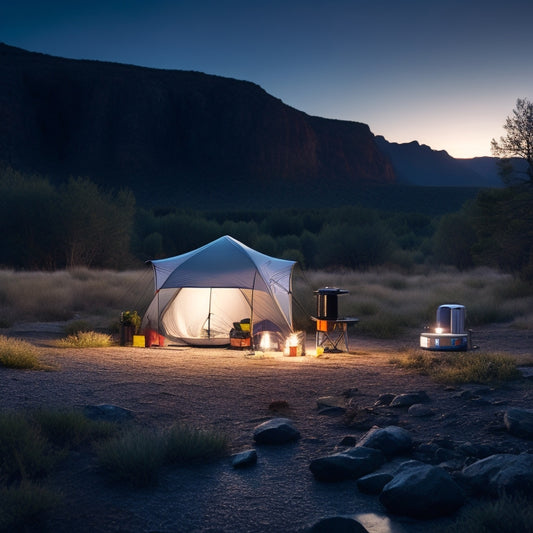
[{"x": 199, "y": 295}]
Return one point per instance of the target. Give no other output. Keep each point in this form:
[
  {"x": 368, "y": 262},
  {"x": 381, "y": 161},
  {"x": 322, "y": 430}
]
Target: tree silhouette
[{"x": 517, "y": 143}]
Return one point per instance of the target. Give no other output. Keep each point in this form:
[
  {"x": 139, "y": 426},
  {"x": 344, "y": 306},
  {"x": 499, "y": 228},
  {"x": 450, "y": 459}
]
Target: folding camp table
[{"x": 332, "y": 334}]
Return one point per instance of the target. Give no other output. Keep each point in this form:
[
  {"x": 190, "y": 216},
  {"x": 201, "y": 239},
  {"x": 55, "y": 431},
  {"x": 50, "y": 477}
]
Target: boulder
[
  {"x": 519, "y": 422},
  {"x": 350, "y": 464},
  {"x": 422, "y": 491},
  {"x": 276, "y": 431},
  {"x": 500, "y": 473},
  {"x": 391, "y": 440}
]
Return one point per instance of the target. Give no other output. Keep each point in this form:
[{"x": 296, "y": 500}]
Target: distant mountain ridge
[
  {"x": 416, "y": 164},
  {"x": 179, "y": 136}
]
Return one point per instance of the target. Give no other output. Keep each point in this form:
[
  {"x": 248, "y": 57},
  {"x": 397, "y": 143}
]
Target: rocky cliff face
[{"x": 121, "y": 124}]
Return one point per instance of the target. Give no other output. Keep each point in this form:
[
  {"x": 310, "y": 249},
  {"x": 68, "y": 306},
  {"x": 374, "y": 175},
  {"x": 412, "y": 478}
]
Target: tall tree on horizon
[{"x": 517, "y": 143}]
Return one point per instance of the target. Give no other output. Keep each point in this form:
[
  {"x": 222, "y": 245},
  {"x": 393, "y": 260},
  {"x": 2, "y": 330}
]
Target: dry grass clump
[
  {"x": 460, "y": 367},
  {"x": 16, "y": 353},
  {"x": 85, "y": 339}
]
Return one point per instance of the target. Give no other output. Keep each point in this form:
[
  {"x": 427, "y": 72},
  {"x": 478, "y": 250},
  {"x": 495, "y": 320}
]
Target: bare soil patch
[{"x": 228, "y": 390}]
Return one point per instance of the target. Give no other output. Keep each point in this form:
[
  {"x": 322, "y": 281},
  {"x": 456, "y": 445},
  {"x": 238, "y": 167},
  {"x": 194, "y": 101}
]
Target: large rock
[
  {"x": 422, "y": 491},
  {"x": 350, "y": 464},
  {"x": 276, "y": 431},
  {"x": 392, "y": 440},
  {"x": 501, "y": 472},
  {"x": 519, "y": 422}
]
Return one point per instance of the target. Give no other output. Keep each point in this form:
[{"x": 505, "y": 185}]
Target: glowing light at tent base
[
  {"x": 265, "y": 344},
  {"x": 293, "y": 345}
]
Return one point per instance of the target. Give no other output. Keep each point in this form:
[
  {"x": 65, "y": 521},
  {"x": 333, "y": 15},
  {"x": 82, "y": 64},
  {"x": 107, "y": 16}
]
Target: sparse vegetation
[
  {"x": 17, "y": 353},
  {"x": 460, "y": 367}
]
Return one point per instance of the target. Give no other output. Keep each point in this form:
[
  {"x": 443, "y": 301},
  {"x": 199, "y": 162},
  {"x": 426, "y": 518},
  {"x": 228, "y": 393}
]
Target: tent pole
[
  {"x": 252, "y": 347},
  {"x": 209, "y": 314}
]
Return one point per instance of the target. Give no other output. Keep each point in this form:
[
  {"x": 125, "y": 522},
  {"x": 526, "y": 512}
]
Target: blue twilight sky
[{"x": 444, "y": 72}]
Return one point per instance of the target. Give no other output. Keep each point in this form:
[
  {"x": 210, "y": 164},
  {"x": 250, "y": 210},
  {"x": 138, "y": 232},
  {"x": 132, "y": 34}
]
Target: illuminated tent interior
[{"x": 201, "y": 294}]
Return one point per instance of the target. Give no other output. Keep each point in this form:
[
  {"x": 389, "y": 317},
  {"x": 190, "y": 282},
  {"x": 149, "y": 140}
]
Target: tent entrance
[{"x": 205, "y": 314}]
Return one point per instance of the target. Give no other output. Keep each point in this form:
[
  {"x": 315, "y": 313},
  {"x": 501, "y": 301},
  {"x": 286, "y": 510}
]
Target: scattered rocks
[
  {"x": 519, "y": 422},
  {"x": 276, "y": 431},
  {"x": 423, "y": 491},
  {"x": 350, "y": 464}
]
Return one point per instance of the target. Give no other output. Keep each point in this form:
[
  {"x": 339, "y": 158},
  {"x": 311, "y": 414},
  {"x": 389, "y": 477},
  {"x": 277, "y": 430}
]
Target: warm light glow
[
  {"x": 292, "y": 340},
  {"x": 438, "y": 331},
  {"x": 265, "y": 341}
]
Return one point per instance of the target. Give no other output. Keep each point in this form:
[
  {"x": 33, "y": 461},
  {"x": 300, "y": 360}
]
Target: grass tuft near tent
[{"x": 17, "y": 353}]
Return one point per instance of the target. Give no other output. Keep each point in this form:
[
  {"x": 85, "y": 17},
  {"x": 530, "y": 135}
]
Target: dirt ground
[{"x": 231, "y": 390}]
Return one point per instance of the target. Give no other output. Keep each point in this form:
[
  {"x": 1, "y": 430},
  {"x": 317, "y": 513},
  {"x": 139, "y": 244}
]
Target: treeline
[{"x": 49, "y": 226}]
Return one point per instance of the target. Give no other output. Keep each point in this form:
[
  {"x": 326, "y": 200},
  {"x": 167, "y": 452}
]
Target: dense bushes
[
  {"x": 75, "y": 224},
  {"x": 78, "y": 224}
]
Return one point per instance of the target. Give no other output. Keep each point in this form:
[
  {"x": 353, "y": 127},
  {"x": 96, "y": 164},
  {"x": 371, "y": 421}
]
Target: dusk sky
[{"x": 446, "y": 73}]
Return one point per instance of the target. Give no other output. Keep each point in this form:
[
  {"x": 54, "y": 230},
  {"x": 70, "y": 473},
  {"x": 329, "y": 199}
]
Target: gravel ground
[{"x": 231, "y": 391}]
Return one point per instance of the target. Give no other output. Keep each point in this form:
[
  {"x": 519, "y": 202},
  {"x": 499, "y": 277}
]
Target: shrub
[
  {"x": 16, "y": 353},
  {"x": 86, "y": 339}
]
